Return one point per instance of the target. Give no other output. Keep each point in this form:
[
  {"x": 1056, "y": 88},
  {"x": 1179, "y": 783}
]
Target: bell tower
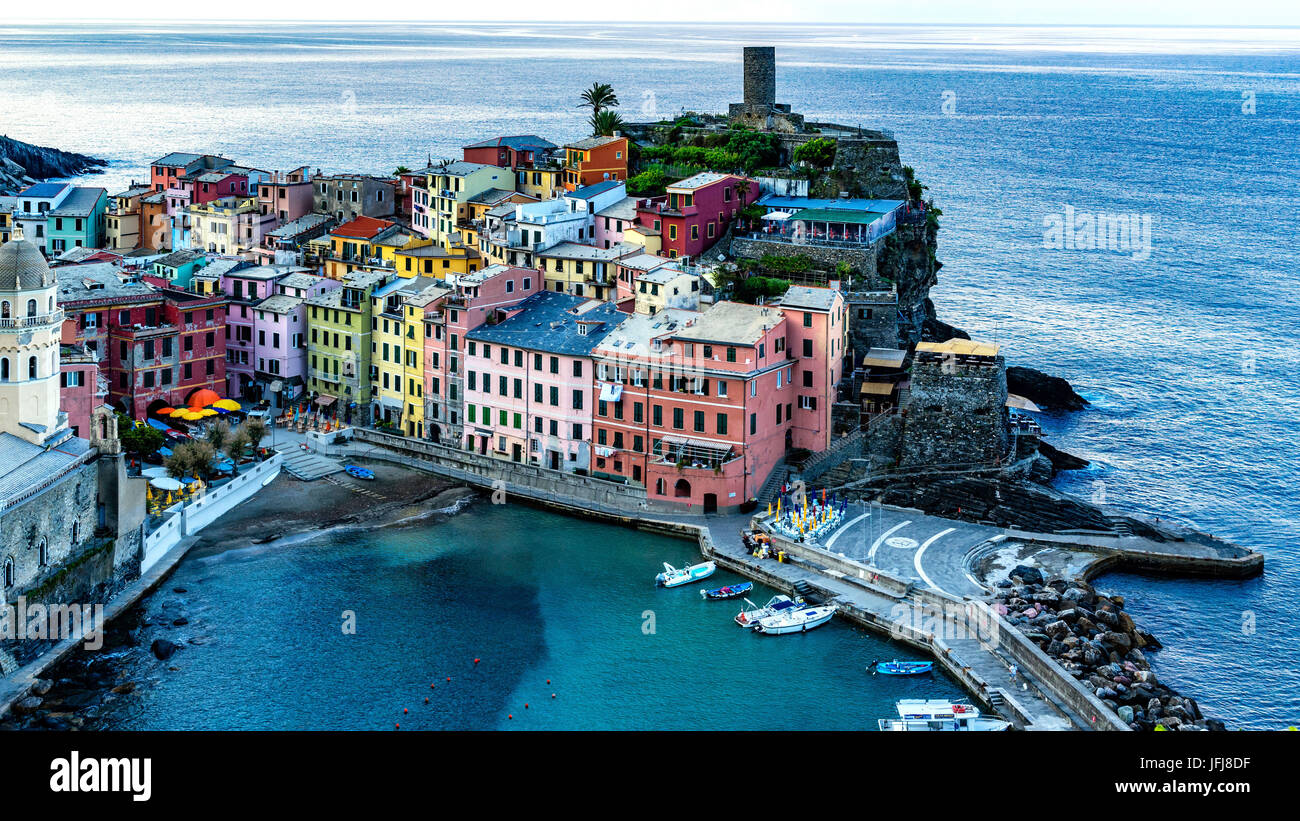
[{"x": 30, "y": 328}]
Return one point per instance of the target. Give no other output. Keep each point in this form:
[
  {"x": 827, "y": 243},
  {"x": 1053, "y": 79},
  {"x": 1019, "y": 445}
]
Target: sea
[{"x": 1180, "y": 327}]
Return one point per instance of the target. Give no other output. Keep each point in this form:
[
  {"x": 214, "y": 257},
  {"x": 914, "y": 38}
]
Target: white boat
[
  {"x": 673, "y": 576},
  {"x": 937, "y": 715},
  {"x": 751, "y": 617},
  {"x": 796, "y": 620}
]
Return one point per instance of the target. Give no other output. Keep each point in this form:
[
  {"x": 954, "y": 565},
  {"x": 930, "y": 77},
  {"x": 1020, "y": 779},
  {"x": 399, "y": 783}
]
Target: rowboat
[
  {"x": 796, "y": 620},
  {"x": 937, "y": 715},
  {"x": 673, "y": 577},
  {"x": 734, "y": 591},
  {"x": 359, "y": 472},
  {"x": 752, "y": 616},
  {"x": 902, "y": 668}
]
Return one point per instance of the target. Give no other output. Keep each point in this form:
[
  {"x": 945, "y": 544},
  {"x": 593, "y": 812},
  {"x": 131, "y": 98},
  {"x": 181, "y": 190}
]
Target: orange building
[{"x": 593, "y": 160}]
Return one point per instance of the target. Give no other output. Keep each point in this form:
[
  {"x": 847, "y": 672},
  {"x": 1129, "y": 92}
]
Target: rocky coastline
[
  {"x": 1088, "y": 633},
  {"x": 22, "y": 164}
]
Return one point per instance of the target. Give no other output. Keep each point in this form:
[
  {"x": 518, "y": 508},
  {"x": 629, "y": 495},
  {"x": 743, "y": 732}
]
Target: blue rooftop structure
[
  {"x": 595, "y": 189},
  {"x": 781, "y": 203},
  {"x": 43, "y": 189},
  {"x": 549, "y": 322}
]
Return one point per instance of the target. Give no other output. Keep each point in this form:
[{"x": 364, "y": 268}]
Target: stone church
[{"x": 70, "y": 519}]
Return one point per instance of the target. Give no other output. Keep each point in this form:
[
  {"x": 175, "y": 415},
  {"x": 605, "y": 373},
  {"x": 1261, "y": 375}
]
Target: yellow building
[
  {"x": 122, "y": 220},
  {"x": 230, "y": 226},
  {"x": 449, "y": 188},
  {"x": 358, "y": 245},
  {"x": 436, "y": 261},
  {"x": 397, "y": 353}
]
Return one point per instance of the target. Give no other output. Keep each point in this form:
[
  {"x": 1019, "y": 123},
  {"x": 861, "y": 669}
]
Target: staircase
[
  {"x": 308, "y": 466},
  {"x": 772, "y": 487}
]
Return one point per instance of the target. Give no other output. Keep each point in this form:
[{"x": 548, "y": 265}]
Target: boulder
[
  {"x": 125, "y": 688},
  {"x": 28, "y": 705},
  {"x": 181, "y": 622},
  {"x": 1125, "y": 714},
  {"x": 1045, "y": 391},
  {"x": 1027, "y": 574},
  {"x": 41, "y": 686},
  {"x": 163, "y": 649}
]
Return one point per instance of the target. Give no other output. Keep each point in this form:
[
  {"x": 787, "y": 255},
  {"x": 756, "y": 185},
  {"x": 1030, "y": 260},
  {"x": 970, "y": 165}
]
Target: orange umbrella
[
  {"x": 164, "y": 411},
  {"x": 203, "y": 398}
]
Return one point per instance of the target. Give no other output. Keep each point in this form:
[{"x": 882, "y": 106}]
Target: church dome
[{"x": 23, "y": 268}]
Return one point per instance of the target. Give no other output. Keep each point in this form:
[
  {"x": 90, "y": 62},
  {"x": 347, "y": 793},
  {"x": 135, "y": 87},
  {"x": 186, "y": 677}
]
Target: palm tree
[
  {"x": 598, "y": 98},
  {"x": 605, "y": 123}
]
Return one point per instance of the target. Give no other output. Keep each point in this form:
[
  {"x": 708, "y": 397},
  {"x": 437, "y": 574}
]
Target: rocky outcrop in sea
[
  {"x": 1088, "y": 633},
  {"x": 22, "y": 164}
]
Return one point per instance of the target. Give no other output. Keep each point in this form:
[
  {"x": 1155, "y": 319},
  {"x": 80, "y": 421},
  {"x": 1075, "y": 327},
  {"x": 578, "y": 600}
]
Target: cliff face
[{"x": 22, "y": 164}]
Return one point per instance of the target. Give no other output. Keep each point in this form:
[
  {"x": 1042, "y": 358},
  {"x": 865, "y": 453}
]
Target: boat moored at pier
[
  {"x": 674, "y": 576},
  {"x": 937, "y": 715}
]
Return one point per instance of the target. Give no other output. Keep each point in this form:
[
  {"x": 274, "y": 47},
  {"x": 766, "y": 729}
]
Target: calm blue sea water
[
  {"x": 1190, "y": 356},
  {"x": 536, "y": 597}
]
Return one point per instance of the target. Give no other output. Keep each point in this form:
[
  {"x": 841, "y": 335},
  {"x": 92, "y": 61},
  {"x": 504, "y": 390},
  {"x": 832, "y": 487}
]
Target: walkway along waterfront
[{"x": 1044, "y": 697}]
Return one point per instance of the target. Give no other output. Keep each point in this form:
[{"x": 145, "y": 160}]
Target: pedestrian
[{"x": 1014, "y": 671}]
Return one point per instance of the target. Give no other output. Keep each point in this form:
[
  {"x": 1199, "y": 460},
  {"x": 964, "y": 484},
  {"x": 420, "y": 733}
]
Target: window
[
  {"x": 807, "y": 347},
  {"x": 699, "y": 421},
  {"x": 577, "y": 400},
  {"x": 678, "y": 419}
]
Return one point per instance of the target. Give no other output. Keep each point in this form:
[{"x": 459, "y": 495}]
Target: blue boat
[
  {"x": 359, "y": 472},
  {"x": 734, "y": 591},
  {"x": 902, "y": 668}
]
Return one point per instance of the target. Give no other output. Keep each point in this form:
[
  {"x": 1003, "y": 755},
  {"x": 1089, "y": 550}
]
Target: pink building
[
  {"x": 79, "y": 389},
  {"x": 528, "y": 378},
  {"x": 287, "y": 195},
  {"x": 696, "y": 212},
  {"x": 699, "y": 407},
  {"x": 612, "y": 220},
  {"x": 472, "y": 300},
  {"x": 213, "y": 185}
]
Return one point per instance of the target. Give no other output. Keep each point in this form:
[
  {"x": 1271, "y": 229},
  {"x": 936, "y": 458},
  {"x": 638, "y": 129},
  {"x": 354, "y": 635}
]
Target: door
[
  {"x": 710, "y": 503},
  {"x": 516, "y": 452}
]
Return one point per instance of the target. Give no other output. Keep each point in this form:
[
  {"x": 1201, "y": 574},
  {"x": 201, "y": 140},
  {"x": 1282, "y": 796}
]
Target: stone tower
[
  {"x": 760, "y": 108},
  {"x": 760, "y": 76},
  {"x": 30, "y": 328}
]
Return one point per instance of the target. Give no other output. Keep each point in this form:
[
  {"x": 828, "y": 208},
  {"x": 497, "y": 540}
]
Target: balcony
[{"x": 16, "y": 324}]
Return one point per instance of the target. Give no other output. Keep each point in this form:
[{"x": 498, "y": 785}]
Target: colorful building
[
  {"x": 286, "y": 195},
  {"x": 530, "y": 157},
  {"x": 339, "y": 337},
  {"x": 122, "y": 219},
  {"x": 397, "y": 352},
  {"x": 699, "y": 407},
  {"x": 447, "y": 190},
  {"x": 582, "y": 270},
  {"x": 355, "y": 246},
  {"x": 593, "y": 160},
  {"x": 695, "y": 212},
  {"x": 230, "y": 226},
  {"x": 528, "y": 379},
  {"x": 156, "y": 345},
  {"x": 474, "y": 299}
]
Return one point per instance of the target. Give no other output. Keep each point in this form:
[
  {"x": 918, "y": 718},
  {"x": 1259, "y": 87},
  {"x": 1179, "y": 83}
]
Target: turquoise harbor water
[
  {"x": 533, "y": 595},
  {"x": 1189, "y": 355}
]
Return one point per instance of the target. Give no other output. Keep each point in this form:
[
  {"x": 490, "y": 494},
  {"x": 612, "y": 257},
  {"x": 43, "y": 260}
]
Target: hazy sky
[{"x": 1089, "y": 12}]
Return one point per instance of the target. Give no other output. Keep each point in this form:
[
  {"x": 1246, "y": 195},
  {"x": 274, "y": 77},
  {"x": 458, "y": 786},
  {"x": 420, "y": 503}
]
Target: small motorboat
[
  {"x": 901, "y": 668},
  {"x": 751, "y": 617},
  {"x": 937, "y": 715},
  {"x": 734, "y": 591},
  {"x": 796, "y": 620},
  {"x": 674, "y": 577},
  {"x": 359, "y": 472}
]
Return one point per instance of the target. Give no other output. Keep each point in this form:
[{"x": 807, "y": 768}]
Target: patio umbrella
[
  {"x": 191, "y": 416},
  {"x": 154, "y": 473},
  {"x": 227, "y": 405},
  {"x": 203, "y": 398},
  {"x": 178, "y": 412},
  {"x": 165, "y": 483},
  {"x": 154, "y": 423},
  {"x": 207, "y": 412},
  {"x": 164, "y": 411}
]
